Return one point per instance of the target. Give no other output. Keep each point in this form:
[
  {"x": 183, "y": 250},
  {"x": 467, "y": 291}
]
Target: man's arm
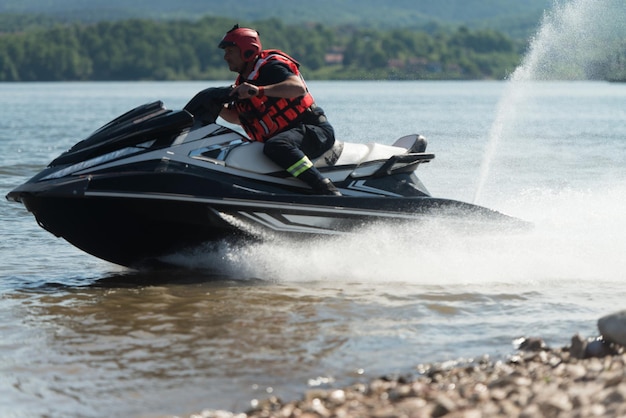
[{"x": 291, "y": 87}]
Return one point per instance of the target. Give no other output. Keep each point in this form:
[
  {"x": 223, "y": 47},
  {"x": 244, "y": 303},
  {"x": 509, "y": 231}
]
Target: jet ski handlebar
[{"x": 208, "y": 103}]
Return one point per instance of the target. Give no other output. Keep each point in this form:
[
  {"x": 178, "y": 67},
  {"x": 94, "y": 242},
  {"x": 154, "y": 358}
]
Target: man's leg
[{"x": 284, "y": 150}]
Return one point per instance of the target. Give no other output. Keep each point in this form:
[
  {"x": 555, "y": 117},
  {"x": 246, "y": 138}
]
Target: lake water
[{"x": 82, "y": 337}]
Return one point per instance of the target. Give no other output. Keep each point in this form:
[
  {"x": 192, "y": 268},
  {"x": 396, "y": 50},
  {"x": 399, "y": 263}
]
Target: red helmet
[{"x": 247, "y": 40}]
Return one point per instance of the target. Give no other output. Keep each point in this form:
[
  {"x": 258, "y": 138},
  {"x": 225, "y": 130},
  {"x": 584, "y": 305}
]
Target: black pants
[{"x": 291, "y": 149}]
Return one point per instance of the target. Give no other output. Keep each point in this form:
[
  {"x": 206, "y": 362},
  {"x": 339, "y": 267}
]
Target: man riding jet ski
[{"x": 153, "y": 182}]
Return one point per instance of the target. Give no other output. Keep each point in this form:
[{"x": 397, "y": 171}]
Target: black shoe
[
  {"x": 326, "y": 187},
  {"x": 318, "y": 182}
]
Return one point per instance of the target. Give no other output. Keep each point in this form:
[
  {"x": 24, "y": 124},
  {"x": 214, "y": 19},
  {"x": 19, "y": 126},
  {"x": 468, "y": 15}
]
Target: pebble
[
  {"x": 613, "y": 327},
  {"x": 584, "y": 379}
]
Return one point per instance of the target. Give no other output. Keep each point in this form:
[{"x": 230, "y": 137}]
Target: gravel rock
[
  {"x": 544, "y": 382},
  {"x": 585, "y": 379},
  {"x": 613, "y": 327}
]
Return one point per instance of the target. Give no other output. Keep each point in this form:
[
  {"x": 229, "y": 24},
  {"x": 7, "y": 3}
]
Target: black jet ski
[{"x": 154, "y": 181}]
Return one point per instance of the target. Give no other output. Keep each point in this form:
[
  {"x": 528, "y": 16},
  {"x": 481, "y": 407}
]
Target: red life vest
[{"x": 264, "y": 117}]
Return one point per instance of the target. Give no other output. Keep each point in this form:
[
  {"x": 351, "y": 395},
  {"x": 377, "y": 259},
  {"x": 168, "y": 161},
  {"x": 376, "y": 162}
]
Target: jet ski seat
[
  {"x": 249, "y": 156},
  {"x": 354, "y": 154}
]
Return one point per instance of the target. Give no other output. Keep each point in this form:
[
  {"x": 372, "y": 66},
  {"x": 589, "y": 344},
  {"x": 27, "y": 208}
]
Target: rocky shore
[{"x": 584, "y": 379}]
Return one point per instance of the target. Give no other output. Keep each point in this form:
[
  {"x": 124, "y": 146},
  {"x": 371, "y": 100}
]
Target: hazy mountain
[{"x": 506, "y": 15}]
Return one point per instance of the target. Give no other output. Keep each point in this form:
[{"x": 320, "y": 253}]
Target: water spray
[{"x": 577, "y": 40}]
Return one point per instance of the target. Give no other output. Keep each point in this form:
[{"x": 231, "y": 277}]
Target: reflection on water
[{"x": 146, "y": 345}]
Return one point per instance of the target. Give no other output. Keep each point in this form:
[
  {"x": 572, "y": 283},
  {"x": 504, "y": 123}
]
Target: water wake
[{"x": 577, "y": 239}]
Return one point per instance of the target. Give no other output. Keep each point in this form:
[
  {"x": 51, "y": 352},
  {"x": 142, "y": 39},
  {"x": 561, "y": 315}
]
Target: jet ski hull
[{"x": 138, "y": 228}]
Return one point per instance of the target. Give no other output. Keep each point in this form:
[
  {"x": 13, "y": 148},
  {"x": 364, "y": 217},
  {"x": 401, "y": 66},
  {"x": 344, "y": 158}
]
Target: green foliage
[
  {"x": 10, "y": 22},
  {"x": 170, "y": 50}
]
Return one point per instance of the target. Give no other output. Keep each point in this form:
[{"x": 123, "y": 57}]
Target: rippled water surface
[{"x": 82, "y": 337}]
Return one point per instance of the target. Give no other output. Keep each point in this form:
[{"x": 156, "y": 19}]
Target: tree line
[{"x": 187, "y": 50}]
